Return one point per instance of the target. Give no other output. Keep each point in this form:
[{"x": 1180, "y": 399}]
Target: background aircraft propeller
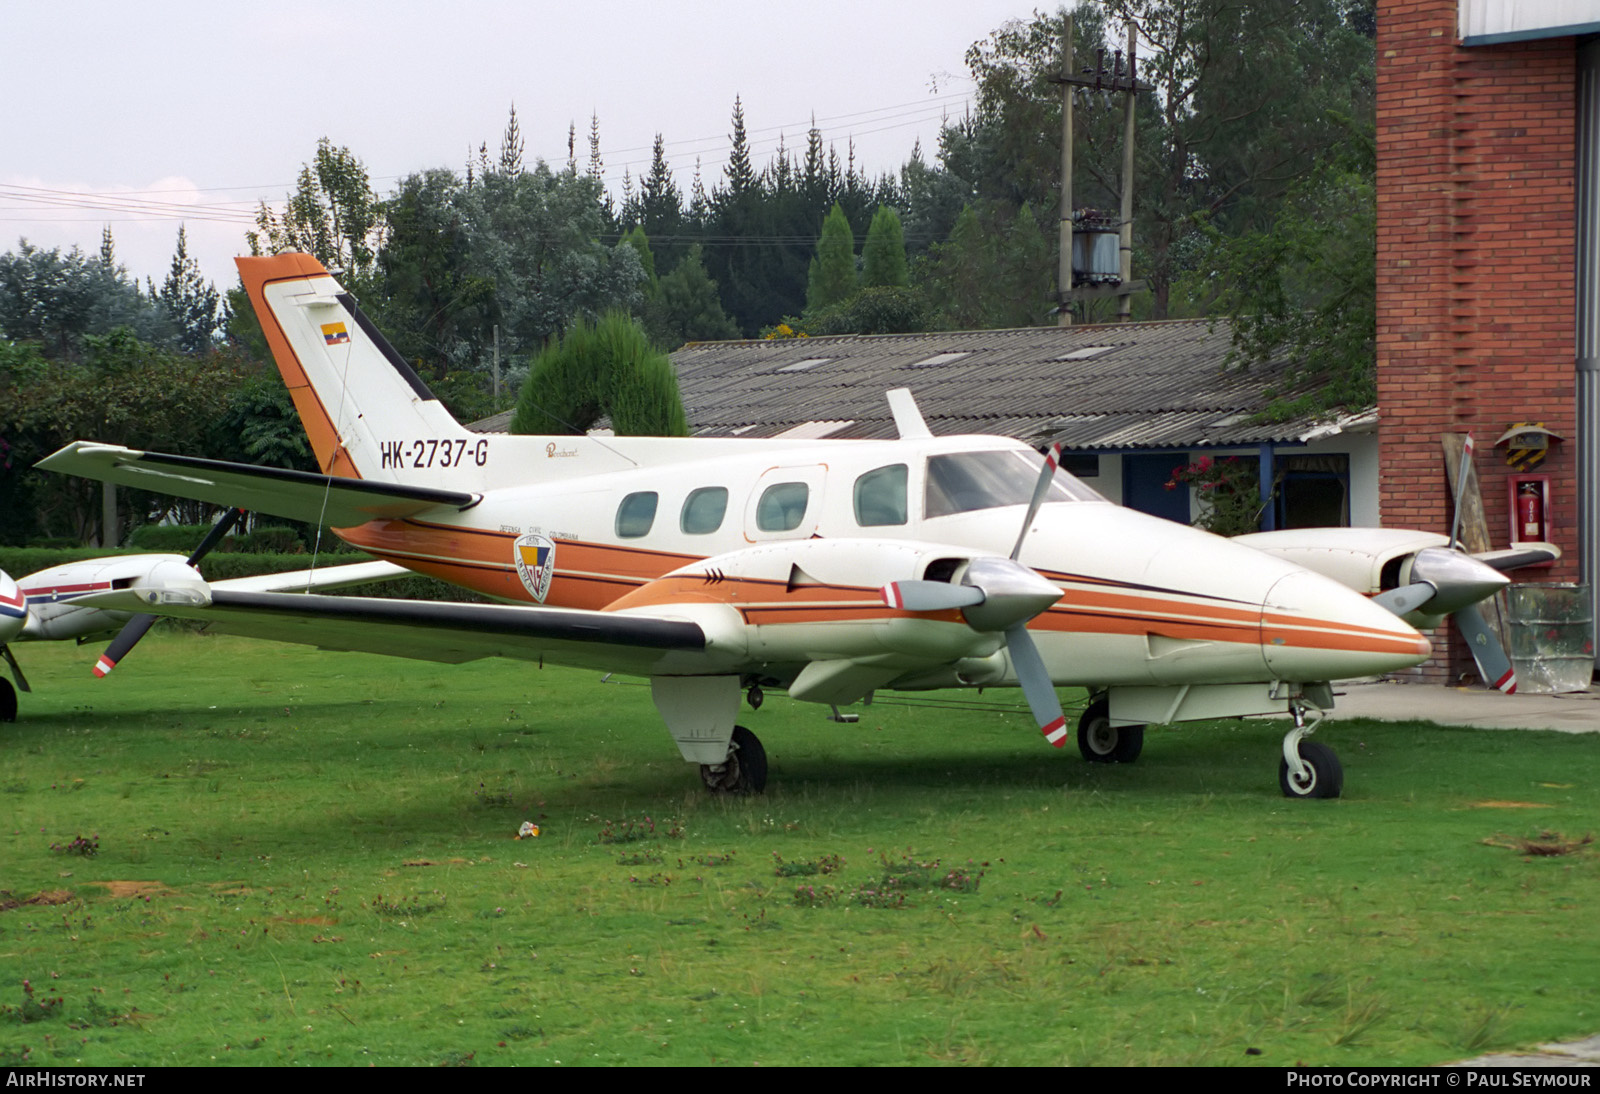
[{"x": 136, "y": 627}]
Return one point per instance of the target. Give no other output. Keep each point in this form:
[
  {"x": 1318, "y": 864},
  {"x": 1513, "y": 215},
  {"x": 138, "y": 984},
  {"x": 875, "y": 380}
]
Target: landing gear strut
[
  {"x": 1103, "y": 743},
  {"x": 745, "y": 769},
  {"x": 1308, "y": 769}
]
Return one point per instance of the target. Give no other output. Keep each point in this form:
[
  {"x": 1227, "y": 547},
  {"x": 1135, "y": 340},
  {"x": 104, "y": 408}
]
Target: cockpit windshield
[{"x": 962, "y": 482}]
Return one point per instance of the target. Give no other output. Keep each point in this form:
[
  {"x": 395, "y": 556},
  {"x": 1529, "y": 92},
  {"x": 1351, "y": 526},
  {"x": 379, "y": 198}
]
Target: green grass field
[{"x": 309, "y": 858}]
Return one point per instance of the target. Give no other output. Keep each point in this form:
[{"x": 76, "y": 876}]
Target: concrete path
[{"x": 1577, "y": 712}]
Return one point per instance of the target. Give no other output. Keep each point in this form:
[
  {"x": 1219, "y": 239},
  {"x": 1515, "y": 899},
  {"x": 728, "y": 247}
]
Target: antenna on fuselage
[{"x": 907, "y": 418}]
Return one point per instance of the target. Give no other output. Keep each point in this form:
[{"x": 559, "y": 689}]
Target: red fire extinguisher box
[{"x": 1528, "y": 503}]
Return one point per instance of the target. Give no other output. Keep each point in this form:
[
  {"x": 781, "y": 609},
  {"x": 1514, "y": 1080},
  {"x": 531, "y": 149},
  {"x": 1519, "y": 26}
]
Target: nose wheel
[
  {"x": 745, "y": 769},
  {"x": 1309, "y": 769}
]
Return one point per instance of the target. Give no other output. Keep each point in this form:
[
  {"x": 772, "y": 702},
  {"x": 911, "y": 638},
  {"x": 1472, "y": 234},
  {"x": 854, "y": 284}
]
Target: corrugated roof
[{"x": 1152, "y": 385}]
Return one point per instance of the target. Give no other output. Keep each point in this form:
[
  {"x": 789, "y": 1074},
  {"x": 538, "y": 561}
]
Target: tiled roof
[{"x": 1135, "y": 385}]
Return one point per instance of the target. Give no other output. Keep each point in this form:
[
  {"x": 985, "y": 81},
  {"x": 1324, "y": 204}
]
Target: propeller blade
[
  {"x": 16, "y": 669},
  {"x": 136, "y": 628},
  {"x": 1037, "y": 687},
  {"x": 930, "y": 596},
  {"x": 1493, "y": 664},
  {"x": 126, "y": 639},
  {"x": 1407, "y": 598},
  {"x": 213, "y": 537},
  {"x": 1052, "y": 460}
]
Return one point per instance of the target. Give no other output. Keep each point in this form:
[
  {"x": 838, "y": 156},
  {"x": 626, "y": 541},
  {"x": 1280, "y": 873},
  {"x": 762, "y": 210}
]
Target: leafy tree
[
  {"x": 877, "y": 309},
  {"x": 1305, "y": 288},
  {"x": 56, "y": 299},
  {"x": 883, "y": 255},
  {"x": 833, "y": 270},
  {"x": 434, "y": 304},
  {"x": 605, "y": 368},
  {"x": 332, "y": 214}
]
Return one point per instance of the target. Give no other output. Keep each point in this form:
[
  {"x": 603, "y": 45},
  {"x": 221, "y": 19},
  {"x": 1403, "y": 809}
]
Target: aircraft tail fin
[{"x": 365, "y": 410}]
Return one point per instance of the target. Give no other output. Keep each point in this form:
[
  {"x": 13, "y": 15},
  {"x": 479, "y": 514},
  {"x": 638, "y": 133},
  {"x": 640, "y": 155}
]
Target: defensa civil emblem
[{"x": 536, "y": 563}]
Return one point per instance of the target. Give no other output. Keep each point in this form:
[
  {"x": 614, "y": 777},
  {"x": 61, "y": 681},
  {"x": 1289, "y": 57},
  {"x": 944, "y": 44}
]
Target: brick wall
[{"x": 1476, "y": 266}]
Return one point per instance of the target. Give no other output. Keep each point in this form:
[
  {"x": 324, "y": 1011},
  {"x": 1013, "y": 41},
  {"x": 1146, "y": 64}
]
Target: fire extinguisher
[{"x": 1530, "y": 512}]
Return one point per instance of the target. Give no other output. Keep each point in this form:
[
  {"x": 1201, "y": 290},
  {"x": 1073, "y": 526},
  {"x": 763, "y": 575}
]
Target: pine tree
[
  {"x": 832, "y": 277},
  {"x": 661, "y": 206},
  {"x": 883, "y": 255},
  {"x": 740, "y": 174},
  {"x": 511, "y": 146},
  {"x": 189, "y": 300}
]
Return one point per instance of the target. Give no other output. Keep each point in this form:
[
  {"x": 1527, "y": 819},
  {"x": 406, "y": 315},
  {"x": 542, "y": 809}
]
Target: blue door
[{"x": 1144, "y": 485}]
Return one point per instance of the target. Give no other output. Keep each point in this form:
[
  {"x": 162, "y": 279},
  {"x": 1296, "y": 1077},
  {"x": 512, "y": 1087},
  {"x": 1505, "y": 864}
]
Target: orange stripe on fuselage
[
  {"x": 611, "y": 576},
  {"x": 256, "y": 274}
]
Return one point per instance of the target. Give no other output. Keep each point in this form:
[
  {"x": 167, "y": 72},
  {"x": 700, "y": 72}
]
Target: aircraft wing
[
  {"x": 297, "y": 495},
  {"x": 447, "y": 632}
]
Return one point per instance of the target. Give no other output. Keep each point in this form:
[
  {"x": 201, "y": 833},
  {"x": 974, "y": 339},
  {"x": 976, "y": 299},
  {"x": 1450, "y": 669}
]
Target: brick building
[{"x": 1488, "y": 247}]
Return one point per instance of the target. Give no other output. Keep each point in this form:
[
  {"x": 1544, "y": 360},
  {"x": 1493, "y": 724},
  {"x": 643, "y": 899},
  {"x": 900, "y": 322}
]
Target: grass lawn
[{"x": 308, "y": 858}]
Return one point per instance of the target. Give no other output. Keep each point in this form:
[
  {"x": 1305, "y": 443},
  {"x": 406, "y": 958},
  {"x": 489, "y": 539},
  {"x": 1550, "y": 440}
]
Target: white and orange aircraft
[{"x": 719, "y": 567}]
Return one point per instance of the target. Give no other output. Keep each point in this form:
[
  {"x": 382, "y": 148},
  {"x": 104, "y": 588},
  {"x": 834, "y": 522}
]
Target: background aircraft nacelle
[
  {"x": 13, "y": 608},
  {"x": 50, "y": 594}
]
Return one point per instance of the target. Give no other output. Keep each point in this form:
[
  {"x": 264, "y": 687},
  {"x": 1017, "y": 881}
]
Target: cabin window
[
  {"x": 636, "y": 514},
  {"x": 782, "y": 507},
  {"x": 703, "y": 510},
  {"x": 881, "y": 497}
]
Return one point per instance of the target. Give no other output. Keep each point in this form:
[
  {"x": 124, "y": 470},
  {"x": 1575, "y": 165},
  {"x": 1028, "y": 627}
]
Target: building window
[{"x": 1313, "y": 491}]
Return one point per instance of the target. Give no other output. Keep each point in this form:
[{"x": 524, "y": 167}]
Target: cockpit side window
[
  {"x": 963, "y": 482},
  {"x": 636, "y": 514},
  {"x": 880, "y": 497}
]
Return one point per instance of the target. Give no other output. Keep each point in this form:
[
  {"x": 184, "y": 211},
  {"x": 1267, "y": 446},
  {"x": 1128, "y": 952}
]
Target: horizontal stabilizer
[
  {"x": 297, "y": 495},
  {"x": 316, "y": 579}
]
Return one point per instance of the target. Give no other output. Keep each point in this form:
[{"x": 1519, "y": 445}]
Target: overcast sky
[{"x": 144, "y": 116}]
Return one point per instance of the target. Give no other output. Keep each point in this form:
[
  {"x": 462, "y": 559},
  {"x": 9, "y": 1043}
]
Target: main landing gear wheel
[
  {"x": 8, "y": 701},
  {"x": 745, "y": 769},
  {"x": 1323, "y": 776},
  {"x": 1103, "y": 743}
]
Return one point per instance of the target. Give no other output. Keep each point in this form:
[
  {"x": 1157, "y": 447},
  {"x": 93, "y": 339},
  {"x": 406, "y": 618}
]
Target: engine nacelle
[{"x": 52, "y": 613}]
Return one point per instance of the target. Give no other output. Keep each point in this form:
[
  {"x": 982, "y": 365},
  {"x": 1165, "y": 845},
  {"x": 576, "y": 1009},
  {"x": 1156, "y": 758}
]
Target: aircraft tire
[
  {"x": 745, "y": 769},
  {"x": 1327, "y": 773},
  {"x": 8, "y": 701},
  {"x": 1101, "y": 742}
]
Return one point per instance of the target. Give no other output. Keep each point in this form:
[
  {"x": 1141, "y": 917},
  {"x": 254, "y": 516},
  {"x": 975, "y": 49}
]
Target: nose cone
[{"x": 1313, "y": 628}]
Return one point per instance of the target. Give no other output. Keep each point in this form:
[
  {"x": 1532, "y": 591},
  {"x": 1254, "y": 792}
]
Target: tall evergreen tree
[
  {"x": 190, "y": 301},
  {"x": 833, "y": 271},
  {"x": 511, "y": 146},
  {"x": 883, "y": 255},
  {"x": 661, "y": 208}
]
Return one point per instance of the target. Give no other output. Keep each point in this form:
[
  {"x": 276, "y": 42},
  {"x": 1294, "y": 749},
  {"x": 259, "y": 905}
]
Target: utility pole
[
  {"x": 1098, "y": 279},
  {"x": 1125, "y": 235},
  {"x": 1064, "y": 262}
]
